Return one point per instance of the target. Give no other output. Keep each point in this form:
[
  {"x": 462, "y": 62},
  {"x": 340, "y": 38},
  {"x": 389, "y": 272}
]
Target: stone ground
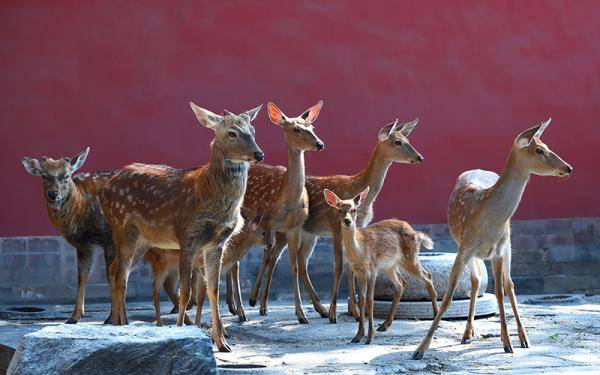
[{"x": 564, "y": 339}]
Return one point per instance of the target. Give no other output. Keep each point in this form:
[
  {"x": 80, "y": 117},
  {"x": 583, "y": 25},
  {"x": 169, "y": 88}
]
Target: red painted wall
[{"x": 118, "y": 76}]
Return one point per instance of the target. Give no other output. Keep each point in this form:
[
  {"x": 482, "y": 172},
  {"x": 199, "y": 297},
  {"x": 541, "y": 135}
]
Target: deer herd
[{"x": 192, "y": 225}]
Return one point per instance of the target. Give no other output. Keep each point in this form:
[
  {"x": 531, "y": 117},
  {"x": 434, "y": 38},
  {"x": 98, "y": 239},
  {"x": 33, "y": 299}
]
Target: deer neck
[
  {"x": 505, "y": 195},
  {"x": 67, "y": 215},
  {"x": 350, "y": 242},
  {"x": 373, "y": 175},
  {"x": 293, "y": 182},
  {"x": 226, "y": 175}
]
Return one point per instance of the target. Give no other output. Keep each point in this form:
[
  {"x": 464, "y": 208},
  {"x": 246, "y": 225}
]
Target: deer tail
[{"x": 425, "y": 240}]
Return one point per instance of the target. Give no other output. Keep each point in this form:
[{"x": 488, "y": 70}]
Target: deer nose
[
  {"x": 569, "y": 169},
  {"x": 420, "y": 158},
  {"x": 52, "y": 195},
  {"x": 320, "y": 145},
  {"x": 347, "y": 222},
  {"x": 259, "y": 156}
]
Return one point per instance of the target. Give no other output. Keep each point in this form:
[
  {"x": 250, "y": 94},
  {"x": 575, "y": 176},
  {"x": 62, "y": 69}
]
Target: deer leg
[
  {"x": 171, "y": 289},
  {"x": 229, "y": 292},
  {"x": 307, "y": 245},
  {"x": 293, "y": 242},
  {"x": 156, "y": 298},
  {"x": 280, "y": 243},
  {"x": 509, "y": 286},
  {"x": 186, "y": 254},
  {"x": 109, "y": 257},
  {"x": 212, "y": 268},
  {"x": 352, "y": 308},
  {"x": 362, "y": 293},
  {"x": 370, "y": 298},
  {"x": 396, "y": 278},
  {"x": 194, "y": 291},
  {"x": 497, "y": 263},
  {"x": 457, "y": 269},
  {"x": 235, "y": 272},
  {"x": 200, "y": 295},
  {"x": 338, "y": 262},
  {"x": 259, "y": 277},
  {"x": 85, "y": 257},
  {"x": 473, "y": 266}
]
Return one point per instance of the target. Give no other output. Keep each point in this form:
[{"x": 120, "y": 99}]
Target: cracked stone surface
[{"x": 564, "y": 338}]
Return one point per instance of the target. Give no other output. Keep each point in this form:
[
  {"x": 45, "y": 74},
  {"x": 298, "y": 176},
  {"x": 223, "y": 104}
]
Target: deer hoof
[
  {"x": 71, "y": 321},
  {"x": 174, "y": 310},
  {"x": 508, "y": 348},
  {"x": 252, "y": 302},
  {"x": 224, "y": 348},
  {"x": 367, "y": 341},
  {"x": 303, "y": 320},
  {"x": 186, "y": 320},
  {"x": 382, "y": 328},
  {"x": 159, "y": 324},
  {"x": 417, "y": 355},
  {"x": 465, "y": 341},
  {"x": 356, "y": 339},
  {"x": 333, "y": 319}
]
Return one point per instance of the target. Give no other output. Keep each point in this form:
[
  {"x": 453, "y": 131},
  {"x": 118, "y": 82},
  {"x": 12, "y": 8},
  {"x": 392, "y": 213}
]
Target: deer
[
  {"x": 165, "y": 266},
  {"x": 253, "y": 233},
  {"x": 194, "y": 210},
  {"x": 481, "y": 206},
  {"x": 279, "y": 193},
  {"x": 393, "y": 146},
  {"x": 73, "y": 208},
  {"x": 390, "y": 246}
]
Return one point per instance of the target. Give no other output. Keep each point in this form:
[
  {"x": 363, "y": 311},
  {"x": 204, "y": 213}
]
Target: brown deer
[
  {"x": 390, "y": 246},
  {"x": 253, "y": 233},
  {"x": 73, "y": 207},
  {"x": 479, "y": 213},
  {"x": 165, "y": 266},
  {"x": 280, "y": 193},
  {"x": 393, "y": 146},
  {"x": 194, "y": 210}
]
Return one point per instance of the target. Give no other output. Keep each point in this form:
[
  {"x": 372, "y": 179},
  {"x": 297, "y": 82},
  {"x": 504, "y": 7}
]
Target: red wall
[{"x": 118, "y": 76}]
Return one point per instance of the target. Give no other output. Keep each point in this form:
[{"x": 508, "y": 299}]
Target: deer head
[
  {"x": 393, "y": 140},
  {"x": 534, "y": 156},
  {"x": 258, "y": 232},
  {"x": 56, "y": 175},
  {"x": 347, "y": 209},
  {"x": 234, "y": 135},
  {"x": 299, "y": 131}
]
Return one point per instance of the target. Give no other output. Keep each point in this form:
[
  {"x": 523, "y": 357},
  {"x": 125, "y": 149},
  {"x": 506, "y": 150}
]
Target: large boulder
[
  {"x": 439, "y": 265},
  {"x": 104, "y": 349}
]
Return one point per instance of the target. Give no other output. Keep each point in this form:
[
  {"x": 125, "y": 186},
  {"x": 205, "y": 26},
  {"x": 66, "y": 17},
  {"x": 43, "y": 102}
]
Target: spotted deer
[
  {"x": 194, "y": 210},
  {"x": 393, "y": 146},
  {"x": 481, "y": 206},
  {"x": 389, "y": 246},
  {"x": 165, "y": 273},
  {"x": 280, "y": 193},
  {"x": 253, "y": 233},
  {"x": 73, "y": 207}
]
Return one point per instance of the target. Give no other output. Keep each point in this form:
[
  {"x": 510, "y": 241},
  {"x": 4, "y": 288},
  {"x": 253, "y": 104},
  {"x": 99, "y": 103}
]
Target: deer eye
[
  {"x": 232, "y": 135},
  {"x": 539, "y": 151},
  {"x": 353, "y": 210},
  {"x": 398, "y": 143},
  {"x": 44, "y": 176},
  {"x": 296, "y": 130}
]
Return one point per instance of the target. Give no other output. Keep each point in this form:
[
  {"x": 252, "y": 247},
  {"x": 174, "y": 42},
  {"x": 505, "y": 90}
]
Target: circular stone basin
[
  {"x": 486, "y": 306},
  {"x": 439, "y": 265}
]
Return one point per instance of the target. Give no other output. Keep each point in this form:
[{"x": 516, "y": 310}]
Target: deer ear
[
  {"x": 384, "y": 133},
  {"x": 206, "y": 117},
  {"x": 407, "y": 128},
  {"x": 32, "y": 166},
  {"x": 276, "y": 116},
  {"x": 252, "y": 113},
  {"x": 525, "y": 137},
  {"x": 360, "y": 198},
  {"x": 331, "y": 198},
  {"x": 78, "y": 160},
  {"x": 312, "y": 113}
]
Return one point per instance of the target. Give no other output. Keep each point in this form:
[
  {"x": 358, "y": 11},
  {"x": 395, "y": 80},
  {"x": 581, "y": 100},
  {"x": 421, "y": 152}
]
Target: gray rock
[
  {"x": 439, "y": 264},
  {"x": 100, "y": 349}
]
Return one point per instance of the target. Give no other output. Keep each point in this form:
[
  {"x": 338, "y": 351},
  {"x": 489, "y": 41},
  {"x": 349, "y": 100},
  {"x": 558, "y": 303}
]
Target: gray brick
[
  {"x": 13, "y": 245},
  {"x": 559, "y": 226},
  {"x": 528, "y": 285},
  {"x": 527, "y": 256},
  {"x": 527, "y": 241},
  {"x": 43, "y": 245}
]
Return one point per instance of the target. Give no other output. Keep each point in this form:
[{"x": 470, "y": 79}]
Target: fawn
[
  {"x": 253, "y": 233},
  {"x": 389, "y": 245},
  {"x": 194, "y": 210},
  {"x": 393, "y": 146},
  {"x": 165, "y": 266},
  {"x": 280, "y": 193},
  {"x": 73, "y": 207},
  {"x": 481, "y": 206}
]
